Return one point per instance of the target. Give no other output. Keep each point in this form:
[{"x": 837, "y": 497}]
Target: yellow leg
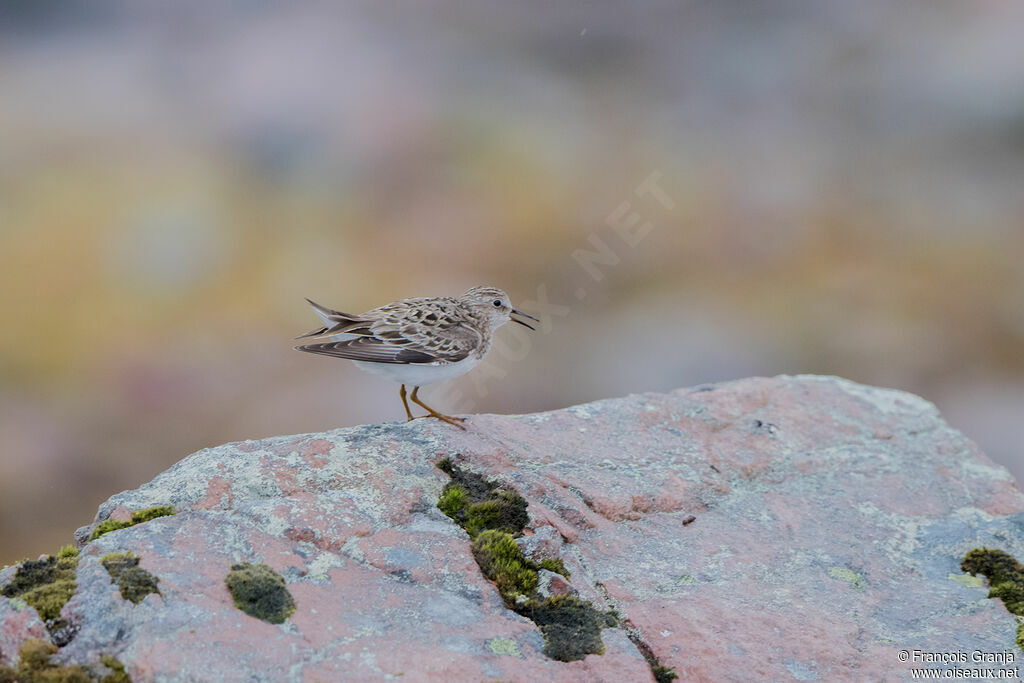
[
  {"x": 408, "y": 414},
  {"x": 450, "y": 419}
]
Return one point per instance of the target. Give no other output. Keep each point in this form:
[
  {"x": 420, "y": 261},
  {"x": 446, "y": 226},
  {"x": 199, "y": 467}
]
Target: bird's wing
[
  {"x": 431, "y": 326},
  {"x": 411, "y": 331},
  {"x": 369, "y": 349}
]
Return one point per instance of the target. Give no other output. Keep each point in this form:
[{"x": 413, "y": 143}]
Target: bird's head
[{"x": 493, "y": 304}]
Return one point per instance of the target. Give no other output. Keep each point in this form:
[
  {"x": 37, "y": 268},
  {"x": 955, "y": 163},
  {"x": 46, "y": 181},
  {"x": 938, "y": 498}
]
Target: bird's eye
[{"x": 497, "y": 303}]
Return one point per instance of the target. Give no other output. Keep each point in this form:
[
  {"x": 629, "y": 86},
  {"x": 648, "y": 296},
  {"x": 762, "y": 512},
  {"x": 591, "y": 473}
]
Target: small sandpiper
[{"x": 417, "y": 341}]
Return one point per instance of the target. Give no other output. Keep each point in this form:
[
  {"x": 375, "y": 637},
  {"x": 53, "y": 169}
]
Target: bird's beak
[{"x": 516, "y": 320}]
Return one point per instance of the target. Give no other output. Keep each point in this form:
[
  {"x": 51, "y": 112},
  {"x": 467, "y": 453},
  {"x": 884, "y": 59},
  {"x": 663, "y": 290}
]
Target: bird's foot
[{"x": 450, "y": 419}]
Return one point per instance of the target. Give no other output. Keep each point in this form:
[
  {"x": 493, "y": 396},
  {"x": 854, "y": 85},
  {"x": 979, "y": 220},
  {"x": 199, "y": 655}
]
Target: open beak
[{"x": 516, "y": 320}]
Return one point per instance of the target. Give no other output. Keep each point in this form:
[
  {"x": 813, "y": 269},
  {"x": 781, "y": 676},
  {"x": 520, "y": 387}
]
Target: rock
[
  {"x": 790, "y": 528},
  {"x": 543, "y": 543},
  {"x": 18, "y": 623},
  {"x": 549, "y": 584}
]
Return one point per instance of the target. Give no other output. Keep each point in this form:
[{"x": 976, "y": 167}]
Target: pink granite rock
[
  {"x": 828, "y": 524},
  {"x": 18, "y": 623}
]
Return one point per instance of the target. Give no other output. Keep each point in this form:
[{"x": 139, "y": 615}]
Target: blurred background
[{"x": 841, "y": 191}]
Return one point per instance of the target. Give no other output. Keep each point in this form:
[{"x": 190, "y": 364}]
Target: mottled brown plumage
[{"x": 416, "y": 341}]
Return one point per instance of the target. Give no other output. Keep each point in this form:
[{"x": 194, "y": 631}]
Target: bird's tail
[
  {"x": 318, "y": 332},
  {"x": 335, "y": 322}
]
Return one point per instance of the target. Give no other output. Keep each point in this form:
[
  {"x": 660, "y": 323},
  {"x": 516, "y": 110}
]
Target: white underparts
[{"x": 419, "y": 374}]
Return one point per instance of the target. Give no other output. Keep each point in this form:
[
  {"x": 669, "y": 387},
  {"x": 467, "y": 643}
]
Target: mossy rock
[
  {"x": 45, "y": 584},
  {"x": 117, "y": 673},
  {"x": 453, "y": 501},
  {"x": 505, "y": 510},
  {"x": 555, "y": 565},
  {"x": 1005, "y": 575},
  {"x": 502, "y": 561},
  {"x": 477, "y": 486},
  {"x": 478, "y": 504},
  {"x": 663, "y": 674},
  {"x": 35, "y": 666},
  {"x": 493, "y": 515},
  {"x": 134, "y": 581},
  {"x": 138, "y": 517},
  {"x": 260, "y": 592},
  {"x": 571, "y": 627}
]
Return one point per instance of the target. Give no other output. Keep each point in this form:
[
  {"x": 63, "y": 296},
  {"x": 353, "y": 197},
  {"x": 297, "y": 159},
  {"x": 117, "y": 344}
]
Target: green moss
[
  {"x": 447, "y": 466},
  {"x": 117, "y": 673},
  {"x": 34, "y": 666},
  {"x": 555, "y": 565},
  {"x": 1005, "y": 580},
  {"x": 663, "y": 674},
  {"x": 1005, "y": 576},
  {"x": 106, "y": 526},
  {"x": 46, "y": 585},
  {"x": 493, "y": 515},
  {"x": 485, "y": 515},
  {"x": 502, "y": 561},
  {"x": 478, "y": 504},
  {"x": 134, "y": 581},
  {"x": 505, "y": 511},
  {"x": 67, "y": 551},
  {"x": 571, "y": 627},
  {"x": 260, "y": 592},
  {"x": 660, "y": 672},
  {"x": 453, "y": 501},
  {"x": 35, "y": 654},
  {"x": 138, "y": 517}
]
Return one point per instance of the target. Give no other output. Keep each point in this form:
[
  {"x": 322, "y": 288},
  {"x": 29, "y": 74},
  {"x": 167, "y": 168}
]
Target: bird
[{"x": 417, "y": 341}]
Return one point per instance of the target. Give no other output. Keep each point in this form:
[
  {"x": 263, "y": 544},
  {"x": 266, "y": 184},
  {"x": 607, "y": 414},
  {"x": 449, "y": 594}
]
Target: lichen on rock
[
  {"x": 504, "y": 646},
  {"x": 260, "y": 592},
  {"x": 847, "y": 575}
]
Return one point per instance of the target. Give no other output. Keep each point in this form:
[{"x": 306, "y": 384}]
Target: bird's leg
[
  {"x": 450, "y": 419},
  {"x": 401, "y": 392}
]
